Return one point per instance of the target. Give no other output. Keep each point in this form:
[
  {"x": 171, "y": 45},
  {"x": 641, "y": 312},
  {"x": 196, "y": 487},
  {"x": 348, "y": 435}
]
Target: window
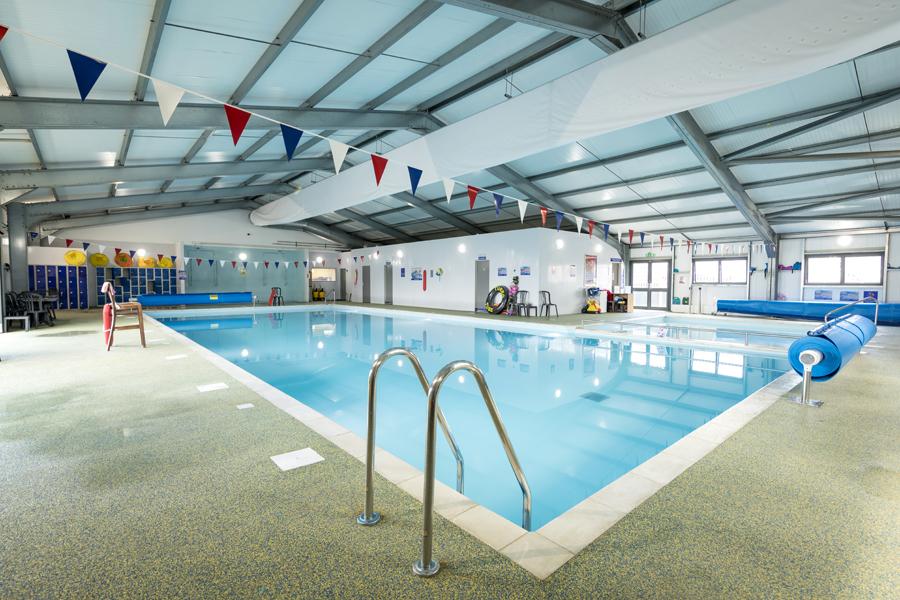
[
  {"x": 720, "y": 270},
  {"x": 845, "y": 269},
  {"x": 720, "y": 363},
  {"x": 319, "y": 274}
]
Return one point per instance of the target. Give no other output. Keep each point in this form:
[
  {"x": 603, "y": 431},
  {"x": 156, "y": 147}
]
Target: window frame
[
  {"x": 718, "y": 280},
  {"x": 843, "y": 280}
]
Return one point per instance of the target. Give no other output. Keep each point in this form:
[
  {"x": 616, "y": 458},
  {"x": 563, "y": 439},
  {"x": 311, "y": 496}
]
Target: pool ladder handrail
[
  {"x": 333, "y": 297},
  {"x": 426, "y": 566},
  {"x": 369, "y": 516},
  {"x": 848, "y": 305}
]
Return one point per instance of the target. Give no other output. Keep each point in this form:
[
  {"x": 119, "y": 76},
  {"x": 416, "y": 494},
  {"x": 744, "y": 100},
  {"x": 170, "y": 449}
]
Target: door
[
  {"x": 651, "y": 283},
  {"x": 367, "y": 284},
  {"x": 482, "y": 283},
  {"x": 342, "y": 285},
  {"x": 388, "y": 283}
]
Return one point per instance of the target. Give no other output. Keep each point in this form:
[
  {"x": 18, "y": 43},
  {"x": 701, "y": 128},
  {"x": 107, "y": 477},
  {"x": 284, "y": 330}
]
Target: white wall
[{"x": 536, "y": 248}]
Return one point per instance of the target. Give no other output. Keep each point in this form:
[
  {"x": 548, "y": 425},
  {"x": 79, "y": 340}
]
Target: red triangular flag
[
  {"x": 199, "y": 260},
  {"x": 3, "y": 31},
  {"x": 630, "y": 235},
  {"x": 237, "y": 120},
  {"x": 159, "y": 257},
  {"x": 661, "y": 241},
  {"x": 543, "y": 216},
  {"x": 233, "y": 264},
  {"x": 590, "y": 228},
  {"x": 69, "y": 243},
  {"x": 296, "y": 263},
  {"x": 118, "y": 250},
  {"x": 473, "y": 192},
  {"x": 379, "y": 163},
  {"x": 265, "y": 262}
]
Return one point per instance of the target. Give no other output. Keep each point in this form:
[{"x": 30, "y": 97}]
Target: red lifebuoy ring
[{"x": 107, "y": 322}]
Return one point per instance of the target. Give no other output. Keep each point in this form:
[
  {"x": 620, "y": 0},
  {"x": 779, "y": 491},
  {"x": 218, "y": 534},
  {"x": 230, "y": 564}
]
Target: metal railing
[
  {"x": 426, "y": 566},
  {"x": 848, "y": 305},
  {"x": 333, "y": 297},
  {"x": 369, "y": 516}
]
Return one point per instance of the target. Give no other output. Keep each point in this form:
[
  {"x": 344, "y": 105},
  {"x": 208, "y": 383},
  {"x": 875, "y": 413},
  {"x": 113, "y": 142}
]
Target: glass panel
[
  {"x": 706, "y": 271},
  {"x": 823, "y": 269},
  {"x": 659, "y": 299},
  {"x": 862, "y": 269},
  {"x": 659, "y": 275},
  {"x": 640, "y": 272},
  {"x": 734, "y": 271},
  {"x": 640, "y": 298}
]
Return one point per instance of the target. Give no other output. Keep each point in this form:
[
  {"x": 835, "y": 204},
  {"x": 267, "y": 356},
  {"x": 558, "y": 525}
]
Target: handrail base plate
[
  {"x": 421, "y": 571},
  {"x": 372, "y": 519}
]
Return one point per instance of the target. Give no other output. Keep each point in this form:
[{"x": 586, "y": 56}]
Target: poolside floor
[{"x": 121, "y": 479}]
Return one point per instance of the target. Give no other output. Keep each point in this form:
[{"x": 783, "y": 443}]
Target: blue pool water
[{"x": 580, "y": 411}]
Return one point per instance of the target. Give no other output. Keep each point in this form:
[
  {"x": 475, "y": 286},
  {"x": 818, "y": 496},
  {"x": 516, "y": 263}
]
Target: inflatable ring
[
  {"x": 497, "y": 300},
  {"x": 75, "y": 258},
  {"x": 146, "y": 262},
  {"x": 166, "y": 263},
  {"x": 99, "y": 259},
  {"x": 123, "y": 259}
]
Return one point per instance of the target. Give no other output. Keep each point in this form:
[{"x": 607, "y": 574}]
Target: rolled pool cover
[
  {"x": 888, "y": 314},
  {"x": 196, "y": 298},
  {"x": 838, "y": 341}
]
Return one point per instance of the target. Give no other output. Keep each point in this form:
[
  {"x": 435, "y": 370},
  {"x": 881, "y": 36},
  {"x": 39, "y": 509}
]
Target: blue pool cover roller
[
  {"x": 888, "y": 314},
  {"x": 196, "y": 298},
  {"x": 838, "y": 341}
]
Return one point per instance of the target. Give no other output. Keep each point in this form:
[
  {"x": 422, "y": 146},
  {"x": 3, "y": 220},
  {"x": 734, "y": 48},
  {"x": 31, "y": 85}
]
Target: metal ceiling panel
[
  {"x": 646, "y": 135},
  {"x": 600, "y": 198},
  {"x": 655, "y": 17},
  {"x": 578, "y": 180},
  {"x": 379, "y": 75},
  {"x": 878, "y": 71},
  {"x": 660, "y": 162},
  {"x": 550, "y": 160},
  {"x": 822, "y": 187},
  {"x": 16, "y": 151},
  {"x": 79, "y": 147},
  {"x": 220, "y": 147},
  {"x": 159, "y": 146},
  {"x": 674, "y": 185},
  {"x": 440, "y": 32}
]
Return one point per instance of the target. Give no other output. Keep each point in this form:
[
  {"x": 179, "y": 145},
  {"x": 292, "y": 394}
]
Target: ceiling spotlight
[
  {"x": 560, "y": 244},
  {"x": 242, "y": 256},
  {"x": 844, "y": 240},
  {"x": 399, "y": 253},
  {"x": 461, "y": 248},
  {"x": 319, "y": 260},
  {"x": 141, "y": 252}
]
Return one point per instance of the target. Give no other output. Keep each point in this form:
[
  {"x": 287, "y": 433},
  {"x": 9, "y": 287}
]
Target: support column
[{"x": 18, "y": 246}]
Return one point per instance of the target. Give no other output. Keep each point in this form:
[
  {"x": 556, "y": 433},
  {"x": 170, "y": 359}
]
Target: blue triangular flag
[
  {"x": 132, "y": 253},
  {"x": 85, "y": 245},
  {"x": 498, "y": 200},
  {"x": 606, "y": 231},
  {"x": 559, "y": 218},
  {"x": 244, "y": 263},
  {"x": 672, "y": 243},
  {"x": 86, "y": 70},
  {"x": 414, "y": 176},
  {"x": 173, "y": 258},
  {"x": 642, "y": 238},
  {"x": 305, "y": 262},
  {"x": 33, "y": 234},
  {"x": 211, "y": 261},
  {"x": 291, "y": 139},
  {"x": 276, "y": 264},
  {"x": 354, "y": 259}
]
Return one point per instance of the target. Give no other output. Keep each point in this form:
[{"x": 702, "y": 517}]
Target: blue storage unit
[
  {"x": 196, "y": 298},
  {"x": 133, "y": 281},
  {"x": 70, "y": 282}
]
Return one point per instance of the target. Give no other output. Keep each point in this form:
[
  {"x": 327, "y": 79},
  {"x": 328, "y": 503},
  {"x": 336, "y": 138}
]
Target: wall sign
[
  {"x": 526, "y": 271},
  {"x": 849, "y": 295},
  {"x": 501, "y": 271},
  {"x": 823, "y": 295},
  {"x": 402, "y": 271},
  {"x": 482, "y": 258},
  {"x": 615, "y": 259}
]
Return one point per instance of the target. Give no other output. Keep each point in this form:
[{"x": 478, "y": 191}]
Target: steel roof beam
[
  {"x": 332, "y": 233},
  {"x": 384, "y": 228},
  {"x": 63, "y": 113},
  {"x": 40, "y": 210},
  {"x": 142, "y": 215},
  {"x": 32, "y": 178}
]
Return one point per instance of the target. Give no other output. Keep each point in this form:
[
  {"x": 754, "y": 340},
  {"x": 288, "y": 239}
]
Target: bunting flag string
[
  {"x": 211, "y": 261},
  {"x": 590, "y": 228},
  {"x": 237, "y": 121},
  {"x": 379, "y": 164},
  {"x": 85, "y": 245},
  {"x": 168, "y": 97},
  {"x": 69, "y": 243},
  {"x": 473, "y": 193},
  {"x": 291, "y": 137},
  {"x": 559, "y": 219},
  {"x": 414, "y": 176},
  {"x": 87, "y": 70}
]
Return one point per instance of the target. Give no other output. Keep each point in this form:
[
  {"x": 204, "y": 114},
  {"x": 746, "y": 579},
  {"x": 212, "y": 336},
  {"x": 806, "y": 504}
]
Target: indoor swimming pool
[
  {"x": 580, "y": 411},
  {"x": 754, "y": 334}
]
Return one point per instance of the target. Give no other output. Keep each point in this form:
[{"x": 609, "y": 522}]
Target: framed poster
[
  {"x": 501, "y": 272},
  {"x": 849, "y": 295},
  {"x": 823, "y": 295},
  {"x": 416, "y": 273},
  {"x": 526, "y": 271},
  {"x": 590, "y": 270},
  {"x": 402, "y": 271},
  {"x": 873, "y": 294}
]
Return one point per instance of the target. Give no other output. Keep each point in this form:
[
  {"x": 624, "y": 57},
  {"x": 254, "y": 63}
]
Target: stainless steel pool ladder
[
  {"x": 333, "y": 297},
  {"x": 848, "y": 305},
  {"x": 369, "y": 516},
  {"x": 426, "y": 566}
]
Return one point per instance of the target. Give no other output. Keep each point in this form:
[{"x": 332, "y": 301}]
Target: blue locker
[
  {"x": 61, "y": 282},
  {"x": 51, "y": 279},
  {"x": 82, "y": 288},
  {"x": 31, "y": 278},
  {"x": 72, "y": 287},
  {"x": 40, "y": 278}
]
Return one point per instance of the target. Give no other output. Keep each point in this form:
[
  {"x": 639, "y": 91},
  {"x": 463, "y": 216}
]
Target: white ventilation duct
[{"x": 742, "y": 46}]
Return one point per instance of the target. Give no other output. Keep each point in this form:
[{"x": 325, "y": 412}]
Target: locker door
[
  {"x": 82, "y": 288},
  {"x": 51, "y": 280},
  {"x": 72, "y": 286},
  {"x": 30, "y": 279},
  {"x": 62, "y": 282},
  {"x": 40, "y": 278}
]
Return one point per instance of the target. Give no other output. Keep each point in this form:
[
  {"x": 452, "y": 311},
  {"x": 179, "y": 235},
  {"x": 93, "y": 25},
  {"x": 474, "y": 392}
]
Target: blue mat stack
[{"x": 838, "y": 341}]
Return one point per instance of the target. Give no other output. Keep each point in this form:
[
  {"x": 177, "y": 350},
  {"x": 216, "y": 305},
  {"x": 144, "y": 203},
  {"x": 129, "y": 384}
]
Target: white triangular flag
[
  {"x": 579, "y": 221},
  {"x": 102, "y": 248},
  {"x": 255, "y": 264},
  {"x": 221, "y": 263},
  {"x": 448, "y": 188},
  {"x": 338, "y": 153},
  {"x": 286, "y": 263},
  {"x": 523, "y": 206},
  {"x": 50, "y": 239},
  {"x": 168, "y": 96}
]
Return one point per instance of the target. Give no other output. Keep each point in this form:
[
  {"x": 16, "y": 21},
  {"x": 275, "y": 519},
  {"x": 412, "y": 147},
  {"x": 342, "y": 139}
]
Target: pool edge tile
[{"x": 537, "y": 554}]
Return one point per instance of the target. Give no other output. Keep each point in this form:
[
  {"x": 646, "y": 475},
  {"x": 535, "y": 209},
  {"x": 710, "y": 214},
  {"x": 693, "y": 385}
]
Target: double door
[{"x": 651, "y": 283}]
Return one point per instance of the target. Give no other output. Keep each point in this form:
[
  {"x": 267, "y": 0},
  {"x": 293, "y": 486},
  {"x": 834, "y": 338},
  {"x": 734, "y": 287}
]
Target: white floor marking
[
  {"x": 211, "y": 387},
  {"x": 176, "y": 357},
  {"x": 245, "y": 406},
  {"x": 297, "y": 458}
]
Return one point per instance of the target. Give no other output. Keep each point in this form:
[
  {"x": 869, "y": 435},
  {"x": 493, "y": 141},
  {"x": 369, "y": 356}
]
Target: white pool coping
[{"x": 539, "y": 552}]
